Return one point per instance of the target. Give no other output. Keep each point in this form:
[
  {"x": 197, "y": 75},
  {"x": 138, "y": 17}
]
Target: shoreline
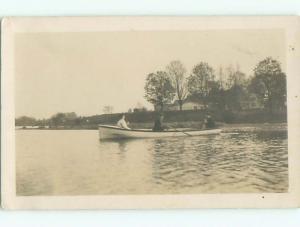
[{"x": 194, "y": 125}]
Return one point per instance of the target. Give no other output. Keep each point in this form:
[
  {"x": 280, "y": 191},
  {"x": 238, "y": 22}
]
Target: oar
[{"x": 182, "y": 132}]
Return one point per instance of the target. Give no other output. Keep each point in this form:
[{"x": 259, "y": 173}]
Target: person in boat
[
  {"x": 122, "y": 123},
  {"x": 209, "y": 122},
  {"x": 158, "y": 124}
]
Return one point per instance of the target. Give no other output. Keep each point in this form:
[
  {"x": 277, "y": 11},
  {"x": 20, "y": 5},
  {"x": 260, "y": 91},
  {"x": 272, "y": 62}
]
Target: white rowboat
[{"x": 113, "y": 132}]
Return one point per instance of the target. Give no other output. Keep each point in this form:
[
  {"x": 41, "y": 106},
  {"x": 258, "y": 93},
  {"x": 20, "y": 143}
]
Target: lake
[{"x": 243, "y": 159}]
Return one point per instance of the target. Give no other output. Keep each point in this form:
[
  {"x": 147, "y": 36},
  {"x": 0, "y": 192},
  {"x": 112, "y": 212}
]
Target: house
[
  {"x": 167, "y": 107},
  {"x": 188, "y": 104},
  {"x": 251, "y": 102},
  {"x": 192, "y": 105}
]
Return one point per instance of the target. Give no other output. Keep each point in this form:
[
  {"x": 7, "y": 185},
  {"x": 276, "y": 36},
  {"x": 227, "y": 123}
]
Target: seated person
[
  {"x": 158, "y": 127},
  {"x": 209, "y": 122},
  {"x": 122, "y": 123}
]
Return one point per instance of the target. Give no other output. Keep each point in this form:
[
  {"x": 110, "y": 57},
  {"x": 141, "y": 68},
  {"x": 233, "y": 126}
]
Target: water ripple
[{"x": 241, "y": 160}]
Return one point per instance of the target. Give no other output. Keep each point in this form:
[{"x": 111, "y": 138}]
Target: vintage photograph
[{"x": 151, "y": 112}]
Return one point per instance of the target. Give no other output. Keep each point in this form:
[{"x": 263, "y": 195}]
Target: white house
[
  {"x": 190, "y": 105},
  {"x": 187, "y": 105},
  {"x": 251, "y": 102}
]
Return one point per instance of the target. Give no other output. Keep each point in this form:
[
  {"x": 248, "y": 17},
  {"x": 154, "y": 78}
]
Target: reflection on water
[{"x": 77, "y": 163}]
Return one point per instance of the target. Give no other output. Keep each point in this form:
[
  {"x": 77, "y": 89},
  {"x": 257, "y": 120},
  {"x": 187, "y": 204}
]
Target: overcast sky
[{"x": 83, "y": 72}]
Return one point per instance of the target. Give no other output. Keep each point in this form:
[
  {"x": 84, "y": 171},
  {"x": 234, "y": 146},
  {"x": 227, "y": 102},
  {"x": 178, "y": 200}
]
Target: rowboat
[{"x": 113, "y": 132}]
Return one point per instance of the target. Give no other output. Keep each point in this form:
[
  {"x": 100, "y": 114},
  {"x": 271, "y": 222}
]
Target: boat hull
[{"x": 112, "y": 132}]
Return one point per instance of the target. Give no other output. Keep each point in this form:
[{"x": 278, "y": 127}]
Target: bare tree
[
  {"x": 177, "y": 72},
  {"x": 235, "y": 77},
  {"x": 222, "y": 78}
]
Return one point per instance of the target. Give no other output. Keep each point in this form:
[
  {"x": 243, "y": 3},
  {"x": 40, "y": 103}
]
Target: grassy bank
[
  {"x": 195, "y": 116},
  {"x": 176, "y": 119}
]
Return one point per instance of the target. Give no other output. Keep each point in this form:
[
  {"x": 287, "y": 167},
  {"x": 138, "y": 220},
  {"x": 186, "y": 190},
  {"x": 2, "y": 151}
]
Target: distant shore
[{"x": 172, "y": 119}]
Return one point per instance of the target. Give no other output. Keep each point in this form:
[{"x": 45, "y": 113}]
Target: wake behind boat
[{"x": 114, "y": 132}]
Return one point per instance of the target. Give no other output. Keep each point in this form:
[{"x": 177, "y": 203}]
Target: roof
[{"x": 194, "y": 99}]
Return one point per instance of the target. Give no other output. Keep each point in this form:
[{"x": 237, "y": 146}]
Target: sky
[{"x": 83, "y": 72}]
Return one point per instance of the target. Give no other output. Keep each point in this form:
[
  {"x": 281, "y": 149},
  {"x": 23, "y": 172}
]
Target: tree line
[
  {"x": 223, "y": 89},
  {"x": 56, "y": 120}
]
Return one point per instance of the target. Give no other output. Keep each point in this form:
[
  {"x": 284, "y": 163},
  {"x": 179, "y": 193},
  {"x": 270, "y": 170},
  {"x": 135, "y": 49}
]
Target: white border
[{"x": 82, "y": 24}]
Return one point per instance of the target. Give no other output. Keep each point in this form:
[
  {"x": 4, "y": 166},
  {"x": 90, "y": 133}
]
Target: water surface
[{"x": 74, "y": 162}]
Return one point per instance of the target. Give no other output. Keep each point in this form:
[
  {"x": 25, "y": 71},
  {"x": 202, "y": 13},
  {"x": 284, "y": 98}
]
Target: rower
[
  {"x": 122, "y": 123},
  {"x": 158, "y": 123},
  {"x": 209, "y": 122}
]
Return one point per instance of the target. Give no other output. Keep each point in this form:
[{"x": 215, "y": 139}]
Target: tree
[
  {"x": 64, "y": 119},
  {"x": 200, "y": 81},
  {"x": 221, "y": 78},
  {"x": 269, "y": 83},
  {"x": 70, "y": 116},
  {"x": 42, "y": 122},
  {"x": 235, "y": 77},
  {"x": 177, "y": 72},
  {"x": 159, "y": 89},
  {"x": 216, "y": 95},
  {"x": 25, "y": 121},
  {"x": 234, "y": 97},
  {"x": 58, "y": 119}
]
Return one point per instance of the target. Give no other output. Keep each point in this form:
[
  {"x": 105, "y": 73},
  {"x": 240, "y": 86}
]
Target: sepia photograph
[{"x": 137, "y": 107}]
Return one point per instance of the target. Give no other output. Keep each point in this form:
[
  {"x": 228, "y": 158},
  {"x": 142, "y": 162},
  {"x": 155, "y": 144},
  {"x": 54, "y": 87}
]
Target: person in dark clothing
[
  {"x": 209, "y": 122},
  {"x": 158, "y": 124}
]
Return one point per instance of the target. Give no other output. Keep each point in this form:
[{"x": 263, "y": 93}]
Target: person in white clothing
[{"x": 122, "y": 123}]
